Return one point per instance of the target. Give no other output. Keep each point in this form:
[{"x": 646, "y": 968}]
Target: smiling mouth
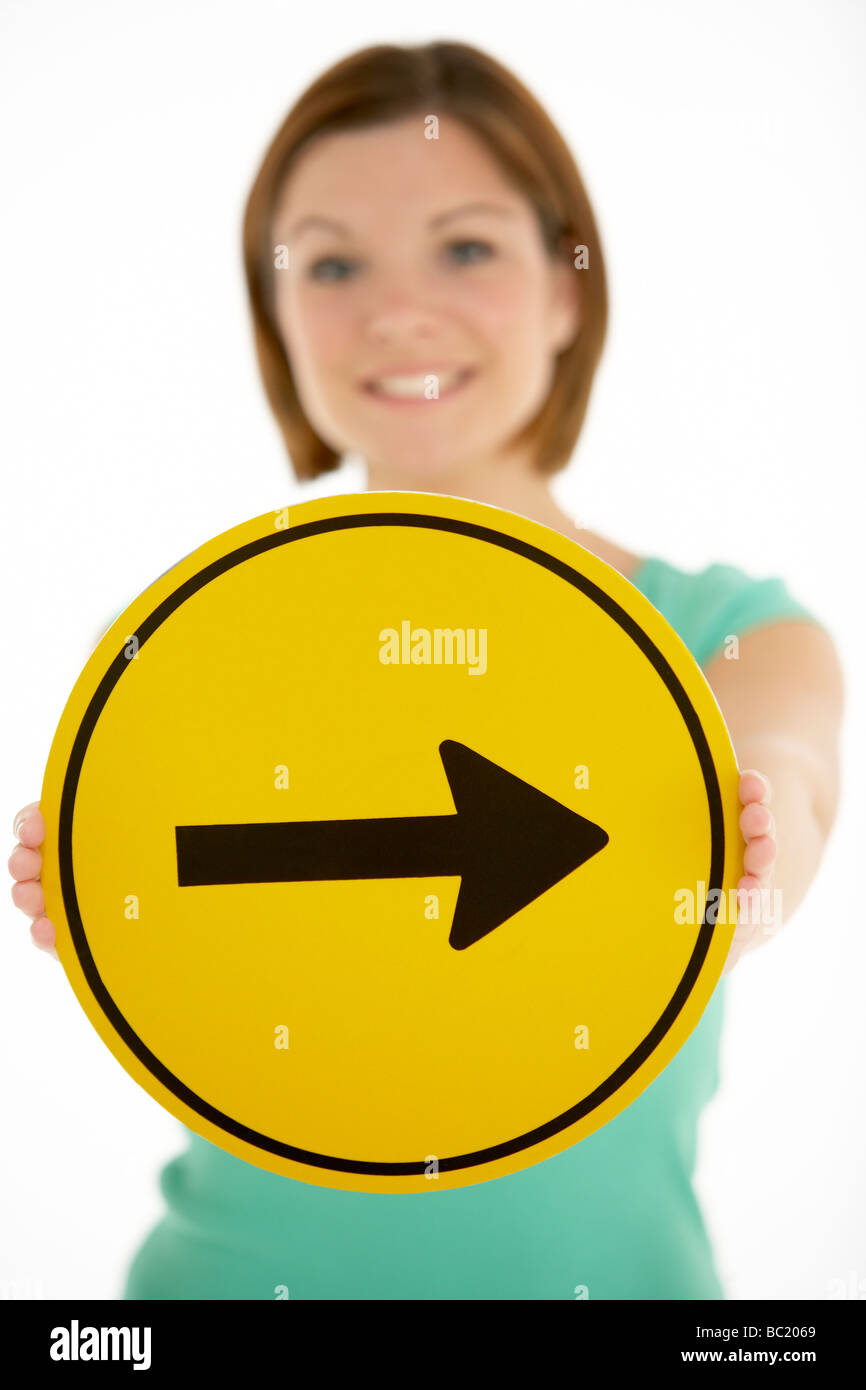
[{"x": 412, "y": 388}]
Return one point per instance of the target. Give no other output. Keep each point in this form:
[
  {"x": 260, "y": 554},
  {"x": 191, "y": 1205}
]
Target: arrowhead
[{"x": 516, "y": 842}]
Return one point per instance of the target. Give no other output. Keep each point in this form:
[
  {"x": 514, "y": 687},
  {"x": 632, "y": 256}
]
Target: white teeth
[{"x": 414, "y": 386}]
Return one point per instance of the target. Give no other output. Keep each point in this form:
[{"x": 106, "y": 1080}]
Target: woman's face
[{"x": 415, "y": 267}]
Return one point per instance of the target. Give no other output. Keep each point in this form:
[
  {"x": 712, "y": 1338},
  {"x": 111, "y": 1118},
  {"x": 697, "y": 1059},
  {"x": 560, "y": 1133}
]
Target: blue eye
[
  {"x": 458, "y": 246},
  {"x": 318, "y": 269},
  {"x": 333, "y": 269}
]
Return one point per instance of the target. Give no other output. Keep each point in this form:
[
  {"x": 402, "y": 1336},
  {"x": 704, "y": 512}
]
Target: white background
[{"x": 722, "y": 145}]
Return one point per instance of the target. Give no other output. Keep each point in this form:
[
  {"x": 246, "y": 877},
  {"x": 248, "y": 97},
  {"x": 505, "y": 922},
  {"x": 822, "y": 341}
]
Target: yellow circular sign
[{"x": 387, "y": 835}]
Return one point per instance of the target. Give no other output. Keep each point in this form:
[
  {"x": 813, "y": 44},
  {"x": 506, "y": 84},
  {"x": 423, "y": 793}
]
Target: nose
[
  {"x": 402, "y": 313},
  {"x": 398, "y": 324}
]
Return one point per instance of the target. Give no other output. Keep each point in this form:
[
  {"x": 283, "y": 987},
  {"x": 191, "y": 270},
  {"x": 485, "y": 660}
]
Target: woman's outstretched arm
[{"x": 782, "y": 698}]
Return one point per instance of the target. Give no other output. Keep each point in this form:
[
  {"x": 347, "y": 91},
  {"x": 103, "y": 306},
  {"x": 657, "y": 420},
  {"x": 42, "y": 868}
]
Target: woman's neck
[{"x": 510, "y": 483}]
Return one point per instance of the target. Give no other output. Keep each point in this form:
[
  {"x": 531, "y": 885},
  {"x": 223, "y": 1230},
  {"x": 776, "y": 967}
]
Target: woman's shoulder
[
  {"x": 713, "y": 601},
  {"x": 719, "y": 582},
  {"x": 625, "y": 561}
]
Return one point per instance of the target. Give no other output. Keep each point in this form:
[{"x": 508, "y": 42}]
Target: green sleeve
[{"x": 730, "y": 602}]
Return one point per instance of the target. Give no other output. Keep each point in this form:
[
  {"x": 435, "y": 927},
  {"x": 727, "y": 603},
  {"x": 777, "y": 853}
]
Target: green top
[{"x": 616, "y": 1213}]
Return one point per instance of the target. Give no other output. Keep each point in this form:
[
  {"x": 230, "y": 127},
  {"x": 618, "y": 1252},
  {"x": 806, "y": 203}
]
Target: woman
[{"x": 428, "y": 292}]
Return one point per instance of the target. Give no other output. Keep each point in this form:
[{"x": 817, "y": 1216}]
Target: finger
[
  {"x": 29, "y": 897},
  {"x": 24, "y": 863},
  {"x": 754, "y": 786},
  {"x": 749, "y": 905},
  {"x": 31, "y": 827},
  {"x": 757, "y": 819},
  {"x": 43, "y": 936},
  {"x": 23, "y": 814},
  {"x": 759, "y": 856}
]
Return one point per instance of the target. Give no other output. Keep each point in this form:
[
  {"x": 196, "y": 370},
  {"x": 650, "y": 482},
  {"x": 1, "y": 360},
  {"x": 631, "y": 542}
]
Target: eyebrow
[{"x": 332, "y": 225}]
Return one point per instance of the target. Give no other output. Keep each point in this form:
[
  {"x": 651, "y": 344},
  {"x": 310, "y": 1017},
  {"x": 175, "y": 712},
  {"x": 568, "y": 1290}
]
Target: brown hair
[{"x": 387, "y": 82}]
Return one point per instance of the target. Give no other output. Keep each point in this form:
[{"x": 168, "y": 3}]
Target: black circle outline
[{"x": 172, "y": 1083}]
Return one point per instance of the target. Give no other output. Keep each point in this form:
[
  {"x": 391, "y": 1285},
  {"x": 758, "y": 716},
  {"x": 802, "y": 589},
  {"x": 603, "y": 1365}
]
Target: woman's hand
[
  {"x": 756, "y": 888},
  {"x": 25, "y": 866}
]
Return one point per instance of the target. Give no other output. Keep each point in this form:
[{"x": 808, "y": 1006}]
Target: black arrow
[{"x": 507, "y": 841}]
